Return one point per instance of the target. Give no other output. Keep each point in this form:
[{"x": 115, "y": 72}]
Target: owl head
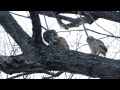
[
  {"x": 49, "y": 34},
  {"x": 90, "y": 38}
]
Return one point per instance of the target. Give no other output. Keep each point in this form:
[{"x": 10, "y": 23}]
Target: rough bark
[
  {"x": 65, "y": 61},
  {"x": 15, "y": 30},
  {"x": 37, "y": 32}
]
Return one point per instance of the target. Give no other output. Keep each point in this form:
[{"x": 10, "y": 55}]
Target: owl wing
[
  {"x": 61, "y": 42},
  {"x": 101, "y": 44}
]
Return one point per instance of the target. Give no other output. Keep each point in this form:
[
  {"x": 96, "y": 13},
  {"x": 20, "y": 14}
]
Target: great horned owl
[
  {"x": 60, "y": 42},
  {"x": 52, "y": 38},
  {"x": 97, "y": 46},
  {"x": 49, "y": 35}
]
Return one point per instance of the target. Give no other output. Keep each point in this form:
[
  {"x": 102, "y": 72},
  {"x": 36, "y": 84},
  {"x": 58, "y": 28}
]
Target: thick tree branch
[
  {"x": 65, "y": 61},
  {"x": 110, "y": 15},
  {"x": 37, "y": 31},
  {"x": 74, "y": 22},
  {"x": 14, "y": 30},
  {"x": 49, "y": 14}
]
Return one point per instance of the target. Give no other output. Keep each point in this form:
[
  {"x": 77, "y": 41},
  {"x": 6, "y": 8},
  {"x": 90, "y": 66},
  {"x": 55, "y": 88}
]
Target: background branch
[
  {"x": 14, "y": 30},
  {"x": 37, "y": 31},
  {"x": 110, "y": 15}
]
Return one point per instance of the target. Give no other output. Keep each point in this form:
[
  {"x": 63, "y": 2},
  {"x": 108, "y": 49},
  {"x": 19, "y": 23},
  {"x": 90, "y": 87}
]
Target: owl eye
[{"x": 88, "y": 38}]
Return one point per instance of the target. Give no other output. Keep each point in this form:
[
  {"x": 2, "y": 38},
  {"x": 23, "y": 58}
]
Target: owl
[
  {"x": 49, "y": 35},
  {"x": 97, "y": 46},
  {"x": 60, "y": 42},
  {"x": 52, "y": 38}
]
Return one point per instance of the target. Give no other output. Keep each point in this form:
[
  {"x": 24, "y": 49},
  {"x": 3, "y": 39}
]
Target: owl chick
[
  {"x": 49, "y": 35},
  {"x": 60, "y": 42},
  {"x": 97, "y": 46},
  {"x": 52, "y": 38}
]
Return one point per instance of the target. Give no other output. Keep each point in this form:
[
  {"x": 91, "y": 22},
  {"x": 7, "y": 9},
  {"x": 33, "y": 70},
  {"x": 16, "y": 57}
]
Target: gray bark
[
  {"x": 15, "y": 30},
  {"x": 65, "y": 61}
]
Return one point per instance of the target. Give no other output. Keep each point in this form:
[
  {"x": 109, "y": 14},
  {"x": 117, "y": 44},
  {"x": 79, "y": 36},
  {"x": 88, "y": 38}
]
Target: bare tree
[{"x": 37, "y": 57}]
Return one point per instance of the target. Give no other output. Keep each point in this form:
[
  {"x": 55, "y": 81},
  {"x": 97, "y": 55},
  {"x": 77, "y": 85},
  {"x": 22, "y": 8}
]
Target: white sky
[{"x": 112, "y": 44}]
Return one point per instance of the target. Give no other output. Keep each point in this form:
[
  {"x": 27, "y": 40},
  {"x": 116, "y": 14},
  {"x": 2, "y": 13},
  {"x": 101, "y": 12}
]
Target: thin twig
[
  {"x": 58, "y": 20},
  {"x": 20, "y": 15},
  {"x": 26, "y": 73},
  {"x": 83, "y": 23},
  {"x": 97, "y": 23},
  {"x": 27, "y": 17},
  {"x": 44, "y": 27},
  {"x": 45, "y": 20},
  {"x": 53, "y": 75},
  {"x": 92, "y": 31}
]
